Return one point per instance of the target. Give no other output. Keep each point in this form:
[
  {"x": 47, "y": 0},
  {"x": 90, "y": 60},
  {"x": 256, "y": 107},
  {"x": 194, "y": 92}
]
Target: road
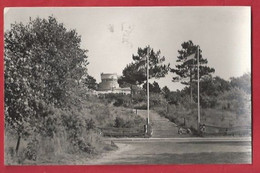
[{"x": 167, "y": 147}]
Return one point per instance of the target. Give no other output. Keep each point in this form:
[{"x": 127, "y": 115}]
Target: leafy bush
[
  {"x": 243, "y": 82},
  {"x": 117, "y": 99},
  {"x": 84, "y": 146},
  {"x": 132, "y": 122},
  {"x": 157, "y": 100},
  {"x": 208, "y": 101},
  {"x": 90, "y": 124},
  {"x": 236, "y": 100},
  {"x": 32, "y": 149},
  {"x": 140, "y": 97},
  {"x": 119, "y": 122}
]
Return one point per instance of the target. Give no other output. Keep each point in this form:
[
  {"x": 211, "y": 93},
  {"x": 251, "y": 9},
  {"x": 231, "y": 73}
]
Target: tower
[{"x": 108, "y": 82}]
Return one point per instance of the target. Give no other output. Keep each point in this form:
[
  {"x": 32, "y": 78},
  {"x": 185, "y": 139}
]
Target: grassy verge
[
  {"x": 64, "y": 136},
  {"x": 217, "y": 121}
]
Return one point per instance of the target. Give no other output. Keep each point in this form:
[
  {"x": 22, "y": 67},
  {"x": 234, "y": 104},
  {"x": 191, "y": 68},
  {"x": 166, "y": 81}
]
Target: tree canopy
[
  {"x": 43, "y": 64},
  {"x": 154, "y": 87},
  {"x": 90, "y": 82},
  {"x": 243, "y": 82},
  {"x": 188, "y": 69},
  {"x": 135, "y": 73}
]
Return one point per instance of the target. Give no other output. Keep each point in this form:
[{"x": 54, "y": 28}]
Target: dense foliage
[
  {"x": 188, "y": 69},
  {"x": 224, "y": 104},
  {"x": 43, "y": 62},
  {"x": 47, "y": 108},
  {"x": 135, "y": 73}
]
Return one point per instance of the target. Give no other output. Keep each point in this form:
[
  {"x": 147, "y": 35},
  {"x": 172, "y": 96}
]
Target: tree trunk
[{"x": 18, "y": 143}]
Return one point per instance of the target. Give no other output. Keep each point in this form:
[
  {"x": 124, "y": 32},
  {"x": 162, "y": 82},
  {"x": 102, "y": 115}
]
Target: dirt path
[
  {"x": 162, "y": 127},
  {"x": 113, "y": 155}
]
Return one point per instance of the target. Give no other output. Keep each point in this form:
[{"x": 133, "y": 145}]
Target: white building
[{"x": 109, "y": 84}]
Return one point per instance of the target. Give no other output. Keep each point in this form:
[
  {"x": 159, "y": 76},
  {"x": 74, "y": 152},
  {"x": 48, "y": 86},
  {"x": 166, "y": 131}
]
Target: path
[
  {"x": 167, "y": 147},
  {"x": 162, "y": 127}
]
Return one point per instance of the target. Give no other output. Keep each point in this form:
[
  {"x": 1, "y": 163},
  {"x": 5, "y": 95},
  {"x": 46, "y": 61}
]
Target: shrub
[
  {"x": 235, "y": 100},
  {"x": 208, "y": 101},
  {"x": 31, "y": 151},
  {"x": 117, "y": 99},
  {"x": 90, "y": 124},
  {"x": 139, "y": 98},
  {"x": 119, "y": 122},
  {"x": 85, "y": 146},
  {"x": 157, "y": 100}
]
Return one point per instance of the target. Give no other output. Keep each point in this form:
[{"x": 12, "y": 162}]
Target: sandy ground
[{"x": 172, "y": 152}]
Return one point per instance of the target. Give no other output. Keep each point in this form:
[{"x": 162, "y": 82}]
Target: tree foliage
[
  {"x": 90, "y": 82},
  {"x": 188, "y": 69},
  {"x": 166, "y": 93},
  {"x": 135, "y": 73},
  {"x": 212, "y": 86},
  {"x": 243, "y": 82},
  {"x": 154, "y": 87},
  {"x": 236, "y": 100},
  {"x": 43, "y": 63}
]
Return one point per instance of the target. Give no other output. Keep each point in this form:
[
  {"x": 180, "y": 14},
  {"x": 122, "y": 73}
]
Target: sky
[{"x": 113, "y": 34}]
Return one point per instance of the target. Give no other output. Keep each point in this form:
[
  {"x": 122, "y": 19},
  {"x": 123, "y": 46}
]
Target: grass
[
  {"x": 86, "y": 143},
  {"x": 49, "y": 154},
  {"x": 217, "y": 121},
  {"x": 123, "y": 132}
]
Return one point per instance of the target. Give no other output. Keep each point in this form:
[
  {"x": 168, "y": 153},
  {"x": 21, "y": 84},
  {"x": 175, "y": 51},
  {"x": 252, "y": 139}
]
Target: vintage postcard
[{"x": 127, "y": 85}]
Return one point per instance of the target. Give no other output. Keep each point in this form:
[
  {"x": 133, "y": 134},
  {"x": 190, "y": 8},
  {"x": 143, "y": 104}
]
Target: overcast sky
[{"x": 112, "y": 35}]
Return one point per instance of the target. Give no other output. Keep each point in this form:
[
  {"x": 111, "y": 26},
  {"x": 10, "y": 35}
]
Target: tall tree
[
  {"x": 43, "y": 63},
  {"x": 135, "y": 72},
  {"x": 188, "y": 69}
]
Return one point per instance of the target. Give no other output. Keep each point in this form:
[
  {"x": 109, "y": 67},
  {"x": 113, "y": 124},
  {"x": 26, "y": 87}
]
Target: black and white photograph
[{"x": 127, "y": 85}]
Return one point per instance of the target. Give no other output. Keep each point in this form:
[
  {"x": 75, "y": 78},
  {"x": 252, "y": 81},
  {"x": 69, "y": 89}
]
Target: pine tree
[{"x": 188, "y": 69}]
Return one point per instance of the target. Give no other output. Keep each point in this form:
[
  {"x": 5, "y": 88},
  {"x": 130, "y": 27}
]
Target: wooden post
[
  {"x": 198, "y": 73},
  {"x": 147, "y": 62}
]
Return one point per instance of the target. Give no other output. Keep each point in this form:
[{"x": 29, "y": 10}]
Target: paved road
[
  {"x": 178, "y": 151},
  {"x": 167, "y": 147}
]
